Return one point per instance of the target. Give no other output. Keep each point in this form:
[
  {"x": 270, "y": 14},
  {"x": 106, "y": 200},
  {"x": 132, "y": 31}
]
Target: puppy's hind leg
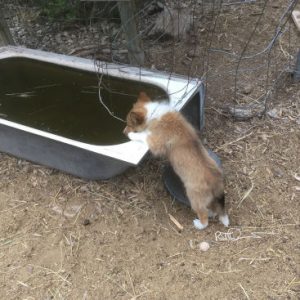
[
  {"x": 224, "y": 219},
  {"x": 219, "y": 204}
]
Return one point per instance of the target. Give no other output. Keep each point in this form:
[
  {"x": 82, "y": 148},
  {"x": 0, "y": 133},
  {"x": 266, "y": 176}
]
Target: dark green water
[{"x": 64, "y": 101}]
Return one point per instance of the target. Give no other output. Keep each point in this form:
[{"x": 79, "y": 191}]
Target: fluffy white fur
[
  {"x": 139, "y": 136},
  {"x": 157, "y": 109},
  {"x": 224, "y": 220},
  {"x": 154, "y": 111},
  {"x": 199, "y": 225}
]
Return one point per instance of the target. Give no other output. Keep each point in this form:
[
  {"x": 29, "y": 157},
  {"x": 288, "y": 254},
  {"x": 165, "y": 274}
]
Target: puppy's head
[{"x": 136, "y": 118}]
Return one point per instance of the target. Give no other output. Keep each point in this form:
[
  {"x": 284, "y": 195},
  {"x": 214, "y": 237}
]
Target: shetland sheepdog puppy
[{"x": 168, "y": 134}]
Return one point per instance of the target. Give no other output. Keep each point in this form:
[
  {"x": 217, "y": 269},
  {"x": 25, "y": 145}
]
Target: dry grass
[
  {"x": 126, "y": 238},
  {"x": 140, "y": 244}
]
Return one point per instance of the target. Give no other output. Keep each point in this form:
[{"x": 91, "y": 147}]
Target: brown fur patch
[
  {"x": 171, "y": 136},
  {"x": 135, "y": 120}
]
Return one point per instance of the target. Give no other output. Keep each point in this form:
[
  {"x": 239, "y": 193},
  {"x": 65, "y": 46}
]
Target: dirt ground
[{"x": 63, "y": 237}]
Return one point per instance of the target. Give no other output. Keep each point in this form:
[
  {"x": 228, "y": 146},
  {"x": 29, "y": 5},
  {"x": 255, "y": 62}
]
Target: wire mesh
[{"x": 242, "y": 50}]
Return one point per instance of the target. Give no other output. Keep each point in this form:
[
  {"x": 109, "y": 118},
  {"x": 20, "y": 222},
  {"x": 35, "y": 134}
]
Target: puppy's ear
[
  {"x": 136, "y": 118},
  {"x": 143, "y": 97}
]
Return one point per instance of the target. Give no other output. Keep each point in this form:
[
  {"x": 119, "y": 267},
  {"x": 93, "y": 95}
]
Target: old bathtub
[{"x": 50, "y": 111}]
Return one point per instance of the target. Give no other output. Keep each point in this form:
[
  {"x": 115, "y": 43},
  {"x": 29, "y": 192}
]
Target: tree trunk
[
  {"x": 127, "y": 14},
  {"x": 5, "y": 36}
]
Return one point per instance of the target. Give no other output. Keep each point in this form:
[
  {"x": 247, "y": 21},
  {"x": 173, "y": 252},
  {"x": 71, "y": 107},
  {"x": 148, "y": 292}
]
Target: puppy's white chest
[
  {"x": 157, "y": 109},
  {"x": 139, "y": 136}
]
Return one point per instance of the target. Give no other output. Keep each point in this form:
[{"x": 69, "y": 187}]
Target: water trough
[{"x": 50, "y": 111}]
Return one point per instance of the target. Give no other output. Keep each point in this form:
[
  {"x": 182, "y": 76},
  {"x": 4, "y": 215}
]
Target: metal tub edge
[{"x": 85, "y": 160}]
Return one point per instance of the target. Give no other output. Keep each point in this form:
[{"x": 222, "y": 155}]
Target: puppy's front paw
[
  {"x": 131, "y": 136},
  {"x": 138, "y": 136},
  {"x": 199, "y": 225}
]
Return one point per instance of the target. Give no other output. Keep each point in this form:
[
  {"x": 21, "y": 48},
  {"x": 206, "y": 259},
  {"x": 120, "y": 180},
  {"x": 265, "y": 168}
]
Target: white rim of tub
[{"x": 179, "y": 89}]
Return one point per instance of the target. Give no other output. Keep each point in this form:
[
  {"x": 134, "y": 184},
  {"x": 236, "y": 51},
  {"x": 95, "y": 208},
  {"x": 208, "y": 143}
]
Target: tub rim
[{"x": 180, "y": 90}]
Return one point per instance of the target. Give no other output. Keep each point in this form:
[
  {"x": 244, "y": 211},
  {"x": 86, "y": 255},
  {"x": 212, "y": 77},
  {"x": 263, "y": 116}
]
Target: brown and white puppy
[{"x": 168, "y": 134}]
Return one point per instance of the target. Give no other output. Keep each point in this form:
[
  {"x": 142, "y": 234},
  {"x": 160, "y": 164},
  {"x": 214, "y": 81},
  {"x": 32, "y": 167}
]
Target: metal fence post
[{"x": 296, "y": 73}]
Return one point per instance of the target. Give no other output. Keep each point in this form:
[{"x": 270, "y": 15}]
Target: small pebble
[
  {"x": 86, "y": 222},
  {"x": 274, "y": 113},
  {"x": 247, "y": 89},
  {"x": 204, "y": 246},
  {"x": 277, "y": 172}
]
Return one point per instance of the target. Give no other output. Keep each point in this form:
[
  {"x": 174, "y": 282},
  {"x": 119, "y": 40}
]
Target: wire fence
[{"x": 242, "y": 50}]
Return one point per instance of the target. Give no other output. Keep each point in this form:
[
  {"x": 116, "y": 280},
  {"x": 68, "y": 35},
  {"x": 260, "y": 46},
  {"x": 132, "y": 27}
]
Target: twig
[
  {"x": 103, "y": 104},
  {"x": 285, "y": 53},
  {"x": 235, "y": 141},
  {"x": 139, "y": 295},
  {"x": 246, "y": 194},
  {"x": 23, "y": 284},
  {"x": 12, "y": 208},
  {"x": 178, "y": 225},
  {"x": 91, "y": 48},
  {"x": 132, "y": 286},
  {"x": 293, "y": 282},
  {"x": 297, "y": 177},
  {"x": 247, "y": 296},
  {"x": 119, "y": 285},
  {"x": 235, "y": 234},
  {"x": 252, "y": 259},
  {"x": 53, "y": 272}
]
